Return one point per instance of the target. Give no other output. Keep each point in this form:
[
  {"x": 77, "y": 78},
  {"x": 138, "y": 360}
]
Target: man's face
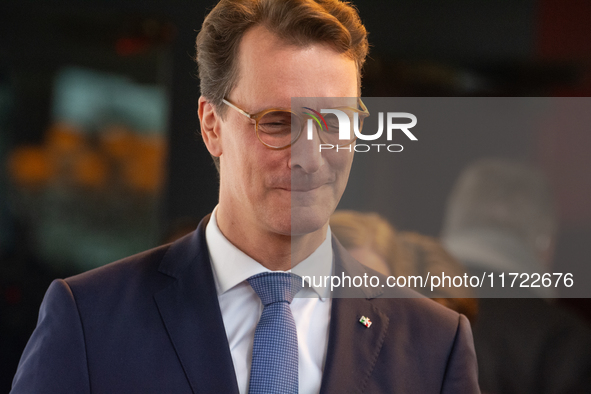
[{"x": 294, "y": 190}]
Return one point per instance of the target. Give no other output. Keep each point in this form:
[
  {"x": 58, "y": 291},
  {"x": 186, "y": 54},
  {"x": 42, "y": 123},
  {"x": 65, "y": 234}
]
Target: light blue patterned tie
[{"x": 275, "y": 349}]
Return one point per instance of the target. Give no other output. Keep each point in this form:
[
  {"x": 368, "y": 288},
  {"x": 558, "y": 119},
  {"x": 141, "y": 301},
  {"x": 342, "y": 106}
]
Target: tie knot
[{"x": 274, "y": 287}]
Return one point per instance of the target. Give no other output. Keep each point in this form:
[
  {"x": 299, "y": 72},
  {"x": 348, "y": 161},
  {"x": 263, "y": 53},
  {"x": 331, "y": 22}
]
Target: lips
[
  {"x": 298, "y": 189},
  {"x": 302, "y": 184},
  {"x": 308, "y": 185},
  {"x": 305, "y": 189}
]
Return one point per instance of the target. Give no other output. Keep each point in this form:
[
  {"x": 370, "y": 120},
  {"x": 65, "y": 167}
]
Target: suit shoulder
[
  {"x": 139, "y": 267},
  {"x": 421, "y": 312}
]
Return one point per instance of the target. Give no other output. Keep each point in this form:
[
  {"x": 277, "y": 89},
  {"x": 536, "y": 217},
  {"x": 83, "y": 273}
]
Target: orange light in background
[
  {"x": 90, "y": 169},
  {"x": 143, "y": 169},
  {"x": 117, "y": 141},
  {"x": 70, "y": 157},
  {"x": 30, "y": 167},
  {"x": 63, "y": 138}
]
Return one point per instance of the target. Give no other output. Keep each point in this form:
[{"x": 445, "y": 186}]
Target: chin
[
  {"x": 277, "y": 221},
  {"x": 307, "y": 220}
]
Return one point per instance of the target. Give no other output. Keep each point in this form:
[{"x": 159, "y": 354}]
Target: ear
[{"x": 210, "y": 127}]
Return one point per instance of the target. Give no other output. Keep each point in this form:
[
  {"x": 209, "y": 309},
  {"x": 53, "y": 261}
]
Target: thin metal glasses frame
[{"x": 363, "y": 112}]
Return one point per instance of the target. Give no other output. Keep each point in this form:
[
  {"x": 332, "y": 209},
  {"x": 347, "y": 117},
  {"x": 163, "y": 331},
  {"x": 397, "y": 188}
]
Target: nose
[{"x": 305, "y": 152}]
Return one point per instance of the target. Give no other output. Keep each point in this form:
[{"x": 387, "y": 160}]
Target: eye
[
  {"x": 332, "y": 122},
  {"x": 277, "y": 122},
  {"x": 272, "y": 128}
]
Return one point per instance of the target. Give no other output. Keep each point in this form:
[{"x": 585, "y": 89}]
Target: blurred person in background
[
  {"x": 377, "y": 244},
  {"x": 500, "y": 218}
]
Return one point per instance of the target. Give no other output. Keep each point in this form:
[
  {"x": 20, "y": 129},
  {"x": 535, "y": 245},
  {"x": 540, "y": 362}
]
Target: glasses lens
[
  {"x": 274, "y": 128},
  {"x": 330, "y": 131}
]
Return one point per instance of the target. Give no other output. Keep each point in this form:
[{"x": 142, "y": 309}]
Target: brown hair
[{"x": 298, "y": 22}]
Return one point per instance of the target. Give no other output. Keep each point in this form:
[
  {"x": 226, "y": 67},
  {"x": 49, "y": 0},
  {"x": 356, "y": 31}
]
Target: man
[
  {"x": 500, "y": 219},
  {"x": 185, "y": 317}
]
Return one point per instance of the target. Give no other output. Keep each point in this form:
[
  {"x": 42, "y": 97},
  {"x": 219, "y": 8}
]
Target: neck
[{"x": 274, "y": 251}]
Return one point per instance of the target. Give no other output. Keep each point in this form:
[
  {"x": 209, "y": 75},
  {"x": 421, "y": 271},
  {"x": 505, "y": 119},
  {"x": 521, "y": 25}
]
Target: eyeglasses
[{"x": 279, "y": 128}]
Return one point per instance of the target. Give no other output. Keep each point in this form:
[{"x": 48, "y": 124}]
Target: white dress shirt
[{"x": 241, "y": 307}]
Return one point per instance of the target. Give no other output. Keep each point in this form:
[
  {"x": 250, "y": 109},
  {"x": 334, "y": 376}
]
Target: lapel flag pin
[{"x": 365, "y": 321}]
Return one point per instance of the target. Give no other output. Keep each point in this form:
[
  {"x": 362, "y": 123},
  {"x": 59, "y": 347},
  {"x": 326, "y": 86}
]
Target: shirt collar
[{"x": 231, "y": 266}]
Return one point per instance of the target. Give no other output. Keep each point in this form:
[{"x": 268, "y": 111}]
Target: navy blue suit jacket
[{"x": 151, "y": 323}]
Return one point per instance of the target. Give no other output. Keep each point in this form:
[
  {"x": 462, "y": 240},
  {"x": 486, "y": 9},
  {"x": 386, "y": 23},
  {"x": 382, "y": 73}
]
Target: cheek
[
  {"x": 233, "y": 136},
  {"x": 236, "y": 164},
  {"x": 256, "y": 167},
  {"x": 343, "y": 169},
  {"x": 340, "y": 163},
  {"x": 237, "y": 145}
]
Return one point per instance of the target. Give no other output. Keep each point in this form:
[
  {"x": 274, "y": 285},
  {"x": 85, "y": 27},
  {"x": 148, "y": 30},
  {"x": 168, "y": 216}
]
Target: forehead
[{"x": 271, "y": 72}]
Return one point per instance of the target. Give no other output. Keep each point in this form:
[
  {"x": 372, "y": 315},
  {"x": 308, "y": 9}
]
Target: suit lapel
[
  {"x": 353, "y": 349},
  {"x": 190, "y": 310}
]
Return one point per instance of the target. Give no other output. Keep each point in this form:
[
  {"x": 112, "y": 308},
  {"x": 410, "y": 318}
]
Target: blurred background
[{"x": 100, "y": 156}]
